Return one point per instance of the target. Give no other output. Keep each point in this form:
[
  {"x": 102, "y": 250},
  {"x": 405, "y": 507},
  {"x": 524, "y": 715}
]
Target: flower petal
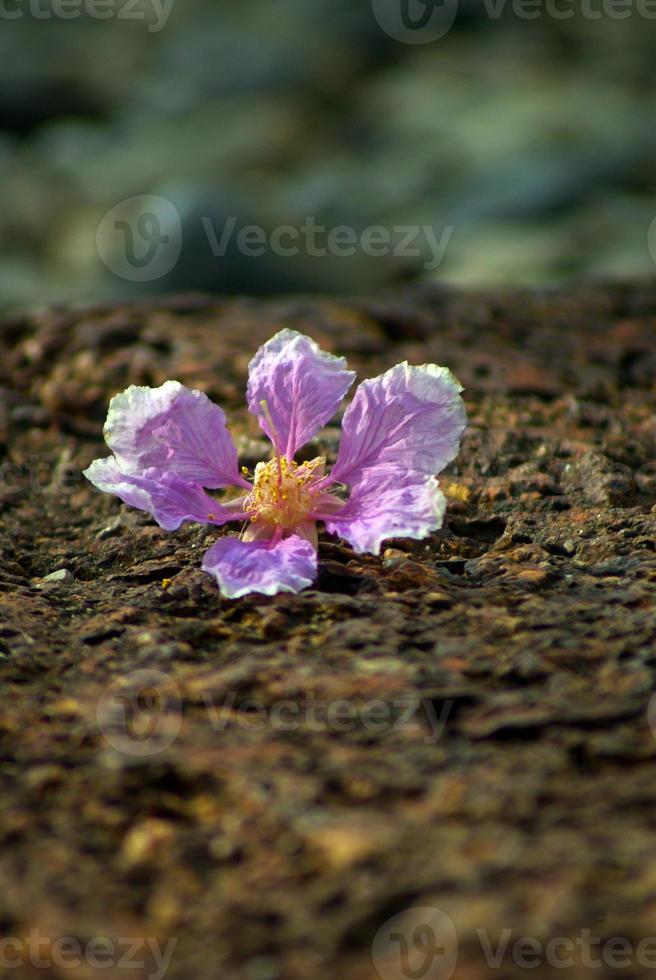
[
  {"x": 241, "y": 567},
  {"x": 301, "y": 385},
  {"x": 404, "y": 506},
  {"x": 410, "y": 417},
  {"x": 174, "y": 429},
  {"x": 169, "y": 499}
]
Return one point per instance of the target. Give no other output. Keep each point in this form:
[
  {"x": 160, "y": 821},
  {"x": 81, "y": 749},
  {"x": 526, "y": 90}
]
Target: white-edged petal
[
  {"x": 411, "y": 418},
  {"x": 241, "y": 567},
  {"x": 174, "y": 429},
  {"x": 404, "y": 506},
  {"x": 295, "y": 388}
]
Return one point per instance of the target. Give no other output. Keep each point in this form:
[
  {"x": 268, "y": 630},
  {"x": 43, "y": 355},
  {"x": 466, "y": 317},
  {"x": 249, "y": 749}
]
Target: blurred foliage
[{"x": 534, "y": 139}]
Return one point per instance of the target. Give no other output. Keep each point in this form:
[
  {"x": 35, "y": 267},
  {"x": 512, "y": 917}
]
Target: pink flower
[{"x": 171, "y": 444}]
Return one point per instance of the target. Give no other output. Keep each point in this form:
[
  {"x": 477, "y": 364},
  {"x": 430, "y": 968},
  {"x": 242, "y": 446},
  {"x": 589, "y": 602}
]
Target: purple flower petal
[
  {"x": 308, "y": 531},
  {"x": 411, "y": 418},
  {"x": 169, "y": 499},
  {"x": 402, "y": 506},
  {"x": 301, "y": 385},
  {"x": 241, "y": 567},
  {"x": 174, "y": 429}
]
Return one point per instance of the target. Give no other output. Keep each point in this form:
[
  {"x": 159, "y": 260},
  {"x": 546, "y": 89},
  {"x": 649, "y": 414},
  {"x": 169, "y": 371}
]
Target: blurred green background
[{"x": 533, "y": 140}]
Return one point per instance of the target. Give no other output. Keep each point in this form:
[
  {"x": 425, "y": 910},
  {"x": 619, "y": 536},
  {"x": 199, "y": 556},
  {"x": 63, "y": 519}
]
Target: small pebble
[
  {"x": 392, "y": 557},
  {"x": 61, "y": 577},
  {"x": 111, "y": 530},
  {"x": 438, "y": 600}
]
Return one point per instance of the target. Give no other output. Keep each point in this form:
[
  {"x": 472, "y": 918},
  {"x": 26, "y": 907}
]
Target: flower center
[{"x": 283, "y": 491}]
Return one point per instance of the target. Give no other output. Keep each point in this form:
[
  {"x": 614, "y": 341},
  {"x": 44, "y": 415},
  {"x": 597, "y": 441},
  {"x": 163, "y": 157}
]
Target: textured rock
[{"x": 464, "y": 723}]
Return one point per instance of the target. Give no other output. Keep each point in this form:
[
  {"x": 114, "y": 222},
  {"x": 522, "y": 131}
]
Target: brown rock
[{"x": 465, "y": 723}]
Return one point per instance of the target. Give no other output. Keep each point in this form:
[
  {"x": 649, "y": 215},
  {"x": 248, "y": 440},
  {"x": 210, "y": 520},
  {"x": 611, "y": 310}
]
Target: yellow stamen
[{"x": 283, "y": 493}]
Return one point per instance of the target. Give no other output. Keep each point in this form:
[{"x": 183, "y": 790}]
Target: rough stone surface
[{"x": 169, "y": 767}]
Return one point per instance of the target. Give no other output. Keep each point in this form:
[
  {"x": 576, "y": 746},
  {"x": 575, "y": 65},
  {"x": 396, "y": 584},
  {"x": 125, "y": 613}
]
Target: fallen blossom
[{"x": 171, "y": 444}]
